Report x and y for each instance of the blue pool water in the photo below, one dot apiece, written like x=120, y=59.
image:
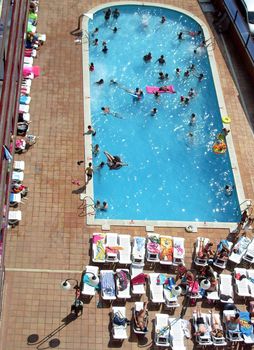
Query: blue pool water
x=170, y=175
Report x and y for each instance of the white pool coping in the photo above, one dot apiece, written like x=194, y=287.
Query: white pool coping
x=88, y=138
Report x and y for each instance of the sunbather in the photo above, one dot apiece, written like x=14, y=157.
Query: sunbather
x=202, y=328
x=233, y=322
x=222, y=250
x=140, y=318
x=216, y=326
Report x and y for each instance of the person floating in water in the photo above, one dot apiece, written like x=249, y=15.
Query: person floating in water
x=148, y=57
x=106, y=110
x=163, y=19
x=192, y=119
x=114, y=162
x=153, y=112
x=99, y=82
x=115, y=29
x=180, y=36
x=229, y=190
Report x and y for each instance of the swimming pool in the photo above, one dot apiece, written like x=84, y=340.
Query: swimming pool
x=171, y=176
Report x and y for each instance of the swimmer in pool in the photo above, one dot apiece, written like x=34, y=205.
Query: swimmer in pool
x=114, y=162
x=106, y=110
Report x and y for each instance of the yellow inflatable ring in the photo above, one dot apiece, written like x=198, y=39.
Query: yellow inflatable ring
x=226, y=120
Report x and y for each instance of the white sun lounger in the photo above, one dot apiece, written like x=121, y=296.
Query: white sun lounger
x=108, y=291
x=19, y=165
x=204, y=339
x=249, y=255
x=156, y=290
x=241, y=286
x=200, y=261
x=98, y=248
x=232, y=335
x=166, y=250
x=25, y=89
x=176, y=334
x=119, y=332
x=88, y=289
x=17, y=176
x=139, y=305
x=28, y=60
x=14, y=216
x=162, y=326
x=151, y=255
x=23, y=108
x=124, y=241
x=111, y=242
x=137, y=288
x=226, y=288
x=138, y=251
x=222, y=263
x=123, y=294
x=217, y=341
x=26, y=117
x=15, y=198
x=215, y=294
x=178, y=250
x=241, y=246
x=171, y=301
x=250, y=274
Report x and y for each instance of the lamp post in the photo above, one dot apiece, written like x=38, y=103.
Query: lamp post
x=67, y=286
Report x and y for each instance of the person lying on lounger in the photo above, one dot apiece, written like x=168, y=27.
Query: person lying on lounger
x=140, y=318
x=114, y=162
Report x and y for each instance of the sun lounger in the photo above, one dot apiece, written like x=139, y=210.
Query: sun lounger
x=171, y=301
x=226, y=289
x=249, y=255
x=87, y=286
x=239, y=249
x=137, y=288
x=199, y=245
x=213, y=296
x=98, y=247
x=153, y=248
x=25, y=100
x=138, y=251
x=23, y=108
x=139, y=305
x=246, y=327
x=241, y=283
x=15, y=199
x=166, y=250
x=233, y=335
x=111, y=247
x=162, y=326
x=123, y=284
x=222, y=262
x=19, y=165
x=119, y=332
x=26, y=117
x=14, y=216
x=203, y=339
x=108, y=289
x=217, y=341
x=124, y=242
x=176, y=334
x=250, y=275
x=17, y=176
x=178, y=251
x=156, y=290
x=28, y=60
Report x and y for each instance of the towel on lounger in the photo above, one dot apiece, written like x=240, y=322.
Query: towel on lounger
x=245, y=326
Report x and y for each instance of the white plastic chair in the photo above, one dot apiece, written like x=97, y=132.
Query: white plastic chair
x=88, y=289
x=178, y=251
x=156, y=290
x=19, y=165
x=138, y=251
x=176, y=334
x=107, y=294
x=119, y=332
x=123, y=294
x=124, y=242
x=137, y=288
x=204, y=339
x=231, y=335
x=166, y=241
x=162, y=326
x=241, y=286
x=152, y=256
x=249, y=255
x=98, y=248
x=111, y=242
x=226, y=288
x=200, y=261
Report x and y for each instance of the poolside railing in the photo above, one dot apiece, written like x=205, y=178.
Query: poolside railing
x=241, y=26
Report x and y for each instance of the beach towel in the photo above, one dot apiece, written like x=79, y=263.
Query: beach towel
x=87, y=280
x=245, y=326
x=139, y=279
x=166, y=249
x=28, y=70
x=123, y=278
x=223, y=243
x=140, y=242
x=241, y=245
x=153, y=89
x=97, y=238
x=100, y=251
x=108, y=284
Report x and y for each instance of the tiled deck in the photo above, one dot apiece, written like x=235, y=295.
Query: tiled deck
x=52, y=236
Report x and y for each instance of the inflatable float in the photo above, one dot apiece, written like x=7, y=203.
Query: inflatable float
x=153, y=89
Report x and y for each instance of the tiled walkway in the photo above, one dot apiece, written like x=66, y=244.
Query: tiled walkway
x=52, y=236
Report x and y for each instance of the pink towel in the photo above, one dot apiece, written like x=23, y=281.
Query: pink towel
x=97, y=238
x=34, y=69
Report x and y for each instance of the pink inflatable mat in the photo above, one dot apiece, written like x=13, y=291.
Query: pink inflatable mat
x=153, y=89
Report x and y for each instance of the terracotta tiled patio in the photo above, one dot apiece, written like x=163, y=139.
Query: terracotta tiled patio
x=52, y=241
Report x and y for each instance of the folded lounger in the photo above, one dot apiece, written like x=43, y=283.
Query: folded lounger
x=166, y=250
x=226, y=289
x=138, y=251
x=98, y=248
x=123, y=284
x=111, y=247
x=139, y=278
x=249, y=255
x=203, y=339
x=153, y=248
x=217, y=341
x=199, y=245
x=178, y=250
x=176, y=334
x=156, y=290
x=124, y=242
x=232, y=334
x=89, y=289
x=139, y=305
x=239, y=249
x=241, y=282
x=161, y=334
x=119, y=332
x=108, y=288
x=215, y=294
x=222, y=262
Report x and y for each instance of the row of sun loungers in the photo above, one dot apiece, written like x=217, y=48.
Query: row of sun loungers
x=117, y=248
